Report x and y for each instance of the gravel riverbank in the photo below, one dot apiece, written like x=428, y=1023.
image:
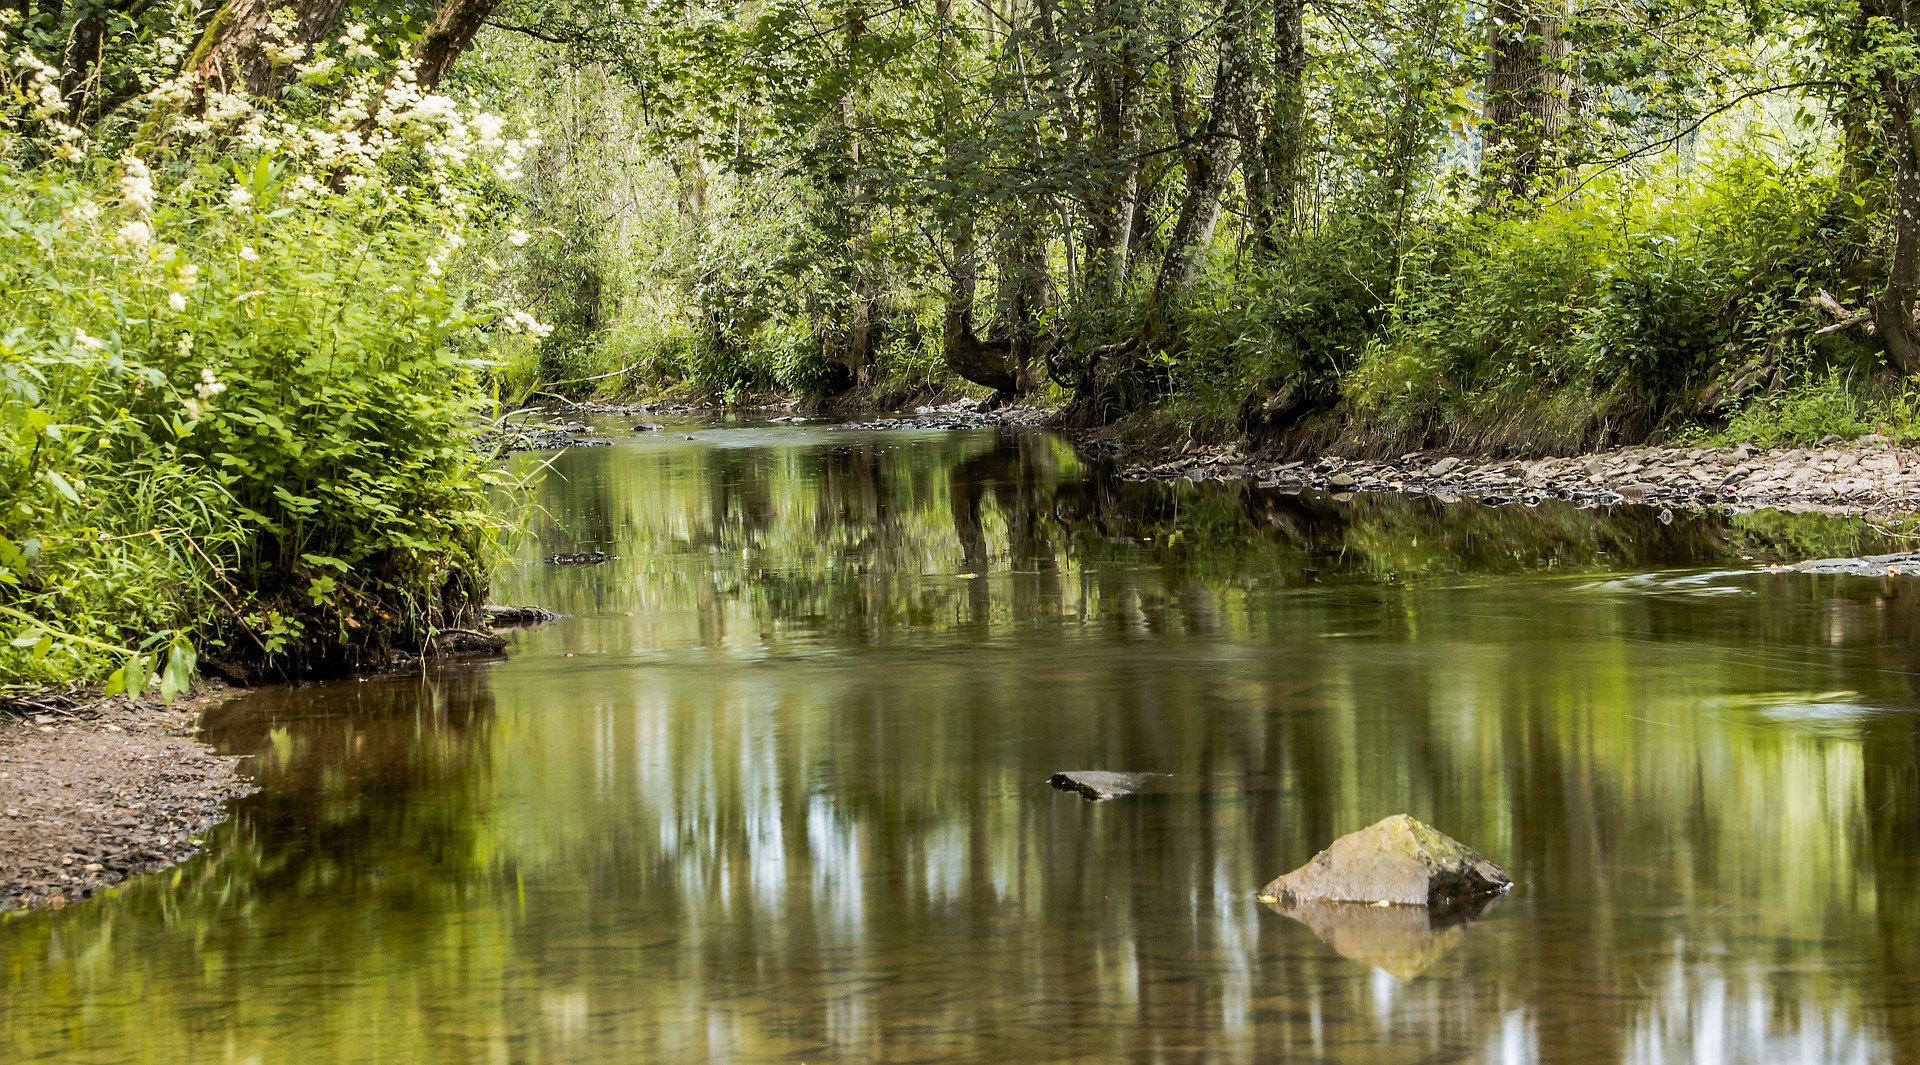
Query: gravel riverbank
x=1869, y=475
x=93, y=791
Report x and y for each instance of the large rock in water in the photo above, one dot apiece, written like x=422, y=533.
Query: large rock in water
x=1397, y=861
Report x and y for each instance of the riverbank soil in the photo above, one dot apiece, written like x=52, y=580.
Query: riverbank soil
x=93, y=791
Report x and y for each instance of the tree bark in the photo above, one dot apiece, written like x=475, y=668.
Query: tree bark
x=1893, y=311
x=1284, y=146
x=233, y=51
x=983, y=363
x=1528, y=94
x=1209, y=168
x=455, y=23
x=1116, y=167
x=1026, y=288
x=1899, y=104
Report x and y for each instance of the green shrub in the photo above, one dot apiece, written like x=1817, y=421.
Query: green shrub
x=1805, y=414
x=1636, y=290
x=239, y=380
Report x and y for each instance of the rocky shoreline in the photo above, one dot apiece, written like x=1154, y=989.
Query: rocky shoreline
x=93, y=791
x=1869, y=475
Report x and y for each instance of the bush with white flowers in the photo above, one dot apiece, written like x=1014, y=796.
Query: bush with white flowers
x=239, y=374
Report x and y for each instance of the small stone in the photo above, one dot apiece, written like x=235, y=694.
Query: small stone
x=1443, y=467
x=1100, y=785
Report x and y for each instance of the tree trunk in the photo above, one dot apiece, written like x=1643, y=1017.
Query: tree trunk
x=82, y=53
x=1026, y=287
x=983, y=363
x=854, y=353
x=1893, y=311
x=1209, y=168
x=1285, y=144
x=1116, y=165
x=234, y=51
x=454, y=25
x=1528, y=94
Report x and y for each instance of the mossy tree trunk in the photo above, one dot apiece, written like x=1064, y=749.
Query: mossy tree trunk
x=237, y=52
x=1893, y=309
x=1528, y=94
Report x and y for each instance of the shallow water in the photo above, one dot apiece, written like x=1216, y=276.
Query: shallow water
x=776, y=791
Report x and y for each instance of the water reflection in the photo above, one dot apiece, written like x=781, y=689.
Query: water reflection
x=778, y=790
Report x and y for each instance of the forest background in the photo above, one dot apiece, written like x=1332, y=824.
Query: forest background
x=270, y=268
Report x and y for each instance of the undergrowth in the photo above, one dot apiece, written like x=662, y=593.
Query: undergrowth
x=239, y=378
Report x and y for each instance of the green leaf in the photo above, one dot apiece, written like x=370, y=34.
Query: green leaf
x=60, y=484
x=178, y=675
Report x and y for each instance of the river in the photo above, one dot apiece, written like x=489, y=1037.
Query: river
x=776, y=789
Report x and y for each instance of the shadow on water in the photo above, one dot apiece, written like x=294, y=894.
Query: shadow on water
x=777, y=790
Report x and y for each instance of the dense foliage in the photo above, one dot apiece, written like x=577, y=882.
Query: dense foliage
x=1391, y=218
x=240, y=375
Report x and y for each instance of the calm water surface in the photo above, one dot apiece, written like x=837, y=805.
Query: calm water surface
x=775, y=791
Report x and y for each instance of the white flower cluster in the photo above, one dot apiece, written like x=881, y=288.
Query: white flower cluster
x=136, y=191
x=42, y=87
x=522, y=322
x=278, y=45
x=184, y=278
x=133, y=236
x=209, y=385
x=355, y=42
x=136, y=185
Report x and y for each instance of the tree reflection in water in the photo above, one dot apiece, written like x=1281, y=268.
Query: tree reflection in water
x=777, y=790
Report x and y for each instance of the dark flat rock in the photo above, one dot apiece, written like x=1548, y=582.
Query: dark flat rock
x=1100, y=785
x=508, y=616
x=1396, y=861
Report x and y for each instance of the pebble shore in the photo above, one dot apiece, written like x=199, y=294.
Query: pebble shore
x=1869, y=475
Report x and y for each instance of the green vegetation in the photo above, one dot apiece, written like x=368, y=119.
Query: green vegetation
x=265, y=259
x=1412, y=223
x=240, y=378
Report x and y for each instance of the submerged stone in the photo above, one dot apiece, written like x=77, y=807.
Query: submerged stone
x=1099, y=785
x=1396, y=861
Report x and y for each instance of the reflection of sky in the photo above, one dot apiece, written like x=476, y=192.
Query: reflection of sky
x=785, y=801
